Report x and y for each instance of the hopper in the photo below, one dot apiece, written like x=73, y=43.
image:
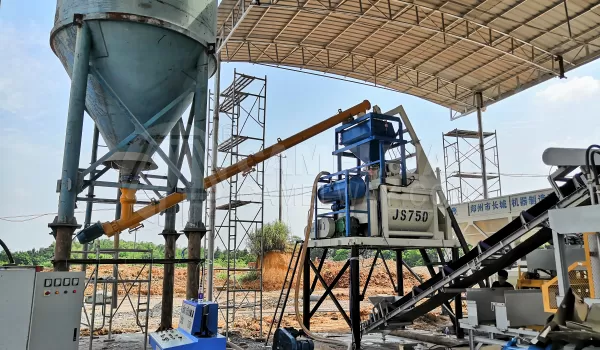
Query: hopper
x=147, y=56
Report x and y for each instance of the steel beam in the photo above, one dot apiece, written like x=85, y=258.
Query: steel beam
x=141, y=129
x=306, y=290
x=170, y=235
x=399, y=273
x=65, y=223
x=321, y=262
x=443, y=89
x=355, y=297
x=90, y=195
x=195, y=229
x=127, y=185
x=458, y=311
x=210, y=239
x=152, y=121
x=329, y=291
x=431, y=26
x=479, y=103
x=364, y=292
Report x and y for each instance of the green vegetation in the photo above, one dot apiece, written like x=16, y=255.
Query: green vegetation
x=248, y=277
x=411, y=257
x=43, y=256
x=274, y=236
x=243, y=257
x=341, y=255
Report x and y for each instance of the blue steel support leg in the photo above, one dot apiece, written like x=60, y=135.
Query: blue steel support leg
x=347, y=204
x=194, y=228
x=170, y=235
x=65, y=223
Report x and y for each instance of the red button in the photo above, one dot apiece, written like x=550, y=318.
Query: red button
x=47, y=293
x=74, y=291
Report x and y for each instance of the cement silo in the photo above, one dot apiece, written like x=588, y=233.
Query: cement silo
x=135, y=66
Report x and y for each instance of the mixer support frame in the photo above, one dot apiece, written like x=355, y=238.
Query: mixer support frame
x=65, y=222
x=355, y=297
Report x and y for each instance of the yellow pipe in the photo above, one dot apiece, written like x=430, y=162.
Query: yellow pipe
x=127, y=201
x=113, y=227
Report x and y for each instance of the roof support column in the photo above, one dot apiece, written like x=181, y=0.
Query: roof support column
x=210, y=238
x=479, y=104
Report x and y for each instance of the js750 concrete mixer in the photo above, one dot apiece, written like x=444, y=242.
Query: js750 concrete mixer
x=379, y=196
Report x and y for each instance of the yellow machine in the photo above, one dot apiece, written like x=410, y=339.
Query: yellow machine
x=579, y=274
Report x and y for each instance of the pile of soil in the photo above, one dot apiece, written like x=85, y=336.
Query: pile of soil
x=275, y=267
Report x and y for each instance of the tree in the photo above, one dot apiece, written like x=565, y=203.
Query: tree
x=388, y=255
x=273, y=237
x=412, y=258
x=341, y=255
x=22, y=258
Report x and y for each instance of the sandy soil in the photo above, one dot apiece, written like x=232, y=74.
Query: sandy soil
x=246, y=320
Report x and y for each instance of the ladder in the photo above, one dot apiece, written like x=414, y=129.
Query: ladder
x=143, y=306
x=476, y=265
x=286, y=288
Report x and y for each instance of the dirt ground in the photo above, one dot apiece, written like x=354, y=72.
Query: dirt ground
x=246, y=320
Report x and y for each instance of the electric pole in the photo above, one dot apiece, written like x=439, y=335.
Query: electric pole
x=280, y=187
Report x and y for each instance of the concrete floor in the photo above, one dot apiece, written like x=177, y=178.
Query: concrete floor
x=136, y=342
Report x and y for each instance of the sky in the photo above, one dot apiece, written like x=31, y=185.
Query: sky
x=34, y=91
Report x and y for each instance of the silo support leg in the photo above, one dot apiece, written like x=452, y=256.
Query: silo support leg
x=65, y=223
x=170, y=235
x=194, y=228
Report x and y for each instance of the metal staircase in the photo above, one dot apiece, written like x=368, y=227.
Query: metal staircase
x=286, y=288
x=481, y=262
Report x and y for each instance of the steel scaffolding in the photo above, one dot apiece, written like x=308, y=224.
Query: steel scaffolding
x=242, y=110
x=105, y=290
x=463, y=168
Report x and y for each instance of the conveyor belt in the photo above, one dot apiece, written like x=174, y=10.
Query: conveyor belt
x=429, y=294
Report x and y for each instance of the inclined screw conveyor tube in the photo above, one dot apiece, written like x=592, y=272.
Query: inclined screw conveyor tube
x=114, y=227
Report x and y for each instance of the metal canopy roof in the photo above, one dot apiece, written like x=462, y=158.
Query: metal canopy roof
x=443, y=51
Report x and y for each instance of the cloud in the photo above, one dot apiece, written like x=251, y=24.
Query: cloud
x=575, y=89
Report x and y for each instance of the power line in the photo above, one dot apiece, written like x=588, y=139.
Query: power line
x=37, y=216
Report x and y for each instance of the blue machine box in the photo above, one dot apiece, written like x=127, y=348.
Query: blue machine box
x=197, y=329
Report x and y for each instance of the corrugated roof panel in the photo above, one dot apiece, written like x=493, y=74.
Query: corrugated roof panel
x=500, y=46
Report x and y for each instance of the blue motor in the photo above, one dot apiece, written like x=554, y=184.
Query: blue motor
x=336, y=191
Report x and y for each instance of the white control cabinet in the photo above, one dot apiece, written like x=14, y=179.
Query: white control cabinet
x=40, y=310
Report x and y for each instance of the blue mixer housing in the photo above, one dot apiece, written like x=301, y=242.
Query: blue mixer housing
x=197, y=329
x=336, y=191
